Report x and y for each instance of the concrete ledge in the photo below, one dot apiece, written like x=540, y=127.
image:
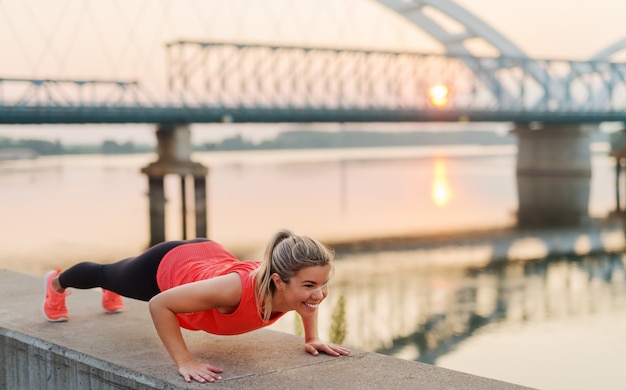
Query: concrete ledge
x=98, y=351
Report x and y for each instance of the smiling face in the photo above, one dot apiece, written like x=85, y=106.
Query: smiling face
x=304, y=291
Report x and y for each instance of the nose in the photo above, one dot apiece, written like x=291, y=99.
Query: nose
x=319, y=293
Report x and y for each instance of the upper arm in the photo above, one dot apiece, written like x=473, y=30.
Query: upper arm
x=221, y=291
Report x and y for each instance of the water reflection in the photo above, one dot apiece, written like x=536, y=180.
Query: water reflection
x=334, y=195
x=422, y=313
x=441, y=188
x=552, y=201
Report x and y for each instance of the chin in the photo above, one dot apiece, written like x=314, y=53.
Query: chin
x=305, y=313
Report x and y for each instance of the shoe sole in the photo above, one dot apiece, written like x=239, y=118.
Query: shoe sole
x=45, y=291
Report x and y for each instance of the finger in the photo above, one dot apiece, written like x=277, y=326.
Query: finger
x=328, y=349
x=214, y=376
x=338, y=350
x=211, y=376
x=338, y=347
x=311, y=349
x=185, y=376
x=342, y=350
x=199, y=379
x=206, y=377
x=214, y=369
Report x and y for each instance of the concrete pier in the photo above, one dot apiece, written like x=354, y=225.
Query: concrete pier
x=95, y=351
x=553, y=149
x=174, y=157
x=553, y=174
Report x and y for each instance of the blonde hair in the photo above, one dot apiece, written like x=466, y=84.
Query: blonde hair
x=286, y=254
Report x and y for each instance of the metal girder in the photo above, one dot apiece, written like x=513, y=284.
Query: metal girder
x=607, y=52
x=178, y=115
x=454, y=43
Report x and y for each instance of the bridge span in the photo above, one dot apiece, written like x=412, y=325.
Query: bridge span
x=213, y=82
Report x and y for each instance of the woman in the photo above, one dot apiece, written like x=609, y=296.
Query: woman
x=198, y=285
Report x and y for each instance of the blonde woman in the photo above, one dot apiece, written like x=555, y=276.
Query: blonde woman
x=198, y=285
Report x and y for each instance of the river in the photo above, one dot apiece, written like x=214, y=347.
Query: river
x=550, y=323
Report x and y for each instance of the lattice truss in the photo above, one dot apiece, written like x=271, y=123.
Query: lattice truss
x=264, y=77
x=70, y=93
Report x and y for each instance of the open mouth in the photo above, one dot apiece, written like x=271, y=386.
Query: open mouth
x=311, y=306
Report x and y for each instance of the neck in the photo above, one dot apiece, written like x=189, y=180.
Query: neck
x=278, y=302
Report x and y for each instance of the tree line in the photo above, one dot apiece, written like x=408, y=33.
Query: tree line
x=310, y=139
x=51, y=148
x=296, y=139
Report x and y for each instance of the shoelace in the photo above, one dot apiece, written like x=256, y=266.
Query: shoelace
x=57, y=300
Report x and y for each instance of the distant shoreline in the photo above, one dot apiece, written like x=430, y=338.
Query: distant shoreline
x=12, y=148
x=18, y=154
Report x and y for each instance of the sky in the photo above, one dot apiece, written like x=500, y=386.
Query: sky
x=124, y=39
x=554, y=28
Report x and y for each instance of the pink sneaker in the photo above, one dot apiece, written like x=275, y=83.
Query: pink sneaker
x=54, y=309
x=112, y=302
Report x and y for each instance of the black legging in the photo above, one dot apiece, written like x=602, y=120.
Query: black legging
x=134, y=277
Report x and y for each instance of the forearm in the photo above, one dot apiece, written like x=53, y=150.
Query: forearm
x=168, y=329
x=310, y=327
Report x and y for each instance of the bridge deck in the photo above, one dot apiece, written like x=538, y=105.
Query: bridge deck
x=98, y=351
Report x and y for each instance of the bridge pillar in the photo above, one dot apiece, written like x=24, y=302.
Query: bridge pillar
x=553, y=175
x=174, y=157
x=618, y=152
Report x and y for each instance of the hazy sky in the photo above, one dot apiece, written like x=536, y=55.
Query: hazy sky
x=554, y=28
x=124, y=39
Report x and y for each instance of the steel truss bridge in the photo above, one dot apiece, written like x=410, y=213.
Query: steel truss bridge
x=232, y=82
x=243, y=82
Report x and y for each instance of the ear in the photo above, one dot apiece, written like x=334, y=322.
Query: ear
x=277, y=281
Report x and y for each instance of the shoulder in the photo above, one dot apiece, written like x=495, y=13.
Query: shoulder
x=226, y=289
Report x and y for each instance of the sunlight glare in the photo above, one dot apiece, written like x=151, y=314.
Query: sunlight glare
x=438, y=95
x=441, y=193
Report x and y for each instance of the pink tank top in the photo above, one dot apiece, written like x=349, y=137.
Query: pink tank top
x=204, y=260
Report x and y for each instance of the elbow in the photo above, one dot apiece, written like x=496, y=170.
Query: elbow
x=154, y=305
x=159, y=308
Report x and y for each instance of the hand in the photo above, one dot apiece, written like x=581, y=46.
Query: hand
x=314, y=346
x=199, y=372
